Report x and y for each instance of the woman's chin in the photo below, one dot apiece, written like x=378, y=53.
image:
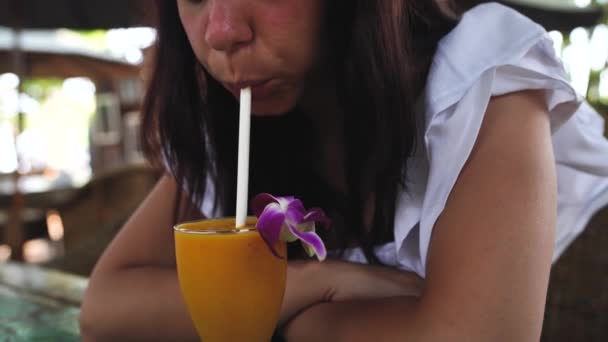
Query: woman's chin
x=271, y=108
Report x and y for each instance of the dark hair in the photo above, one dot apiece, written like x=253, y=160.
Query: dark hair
x=381, y=51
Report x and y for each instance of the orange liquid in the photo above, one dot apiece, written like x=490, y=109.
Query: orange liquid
x=231, y=283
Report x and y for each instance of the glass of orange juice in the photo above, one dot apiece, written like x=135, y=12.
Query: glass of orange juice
x=231, y=282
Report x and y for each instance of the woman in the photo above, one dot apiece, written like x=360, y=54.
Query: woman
x=441, y=148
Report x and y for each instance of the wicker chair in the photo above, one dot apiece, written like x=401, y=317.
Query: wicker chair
x=97, y=212
x=577, y=302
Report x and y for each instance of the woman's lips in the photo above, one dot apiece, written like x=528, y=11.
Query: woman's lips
x=259, y=89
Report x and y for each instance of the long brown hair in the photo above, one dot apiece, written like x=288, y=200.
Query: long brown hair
x=381, y=53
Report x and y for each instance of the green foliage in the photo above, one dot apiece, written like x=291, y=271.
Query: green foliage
x=41, y=88
x=94, y=38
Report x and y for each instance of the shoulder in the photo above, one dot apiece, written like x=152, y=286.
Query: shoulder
x=490, y=29
x=493, y=24
x=487, y=36
x=493, y=51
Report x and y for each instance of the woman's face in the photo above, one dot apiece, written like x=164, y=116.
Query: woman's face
x=271, y=46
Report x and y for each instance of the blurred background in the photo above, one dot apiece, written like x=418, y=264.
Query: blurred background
x=71, y=86
x=71, y=166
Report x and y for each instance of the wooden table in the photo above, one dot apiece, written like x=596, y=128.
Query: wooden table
x=37, y=304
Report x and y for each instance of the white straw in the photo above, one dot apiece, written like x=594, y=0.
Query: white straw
x=242, y=182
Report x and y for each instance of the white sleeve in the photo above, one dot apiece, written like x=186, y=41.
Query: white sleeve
x=451, y=132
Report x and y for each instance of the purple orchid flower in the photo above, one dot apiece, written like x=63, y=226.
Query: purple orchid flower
x=285, y=219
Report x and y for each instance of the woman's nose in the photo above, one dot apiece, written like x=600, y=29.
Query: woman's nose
x=227, y=26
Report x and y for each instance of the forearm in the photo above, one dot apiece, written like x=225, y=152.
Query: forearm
x=401, y=319
x=307, y=285
x=312, y=283
x=136, y=304
x=145, y=303
x=381, y=319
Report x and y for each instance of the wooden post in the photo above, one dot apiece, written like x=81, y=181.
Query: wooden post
x=14, y=235
x=15, y=229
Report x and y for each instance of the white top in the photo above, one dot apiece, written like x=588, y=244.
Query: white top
x=494, y=51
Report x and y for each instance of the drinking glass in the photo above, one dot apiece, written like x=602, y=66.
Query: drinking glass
x=231, y=282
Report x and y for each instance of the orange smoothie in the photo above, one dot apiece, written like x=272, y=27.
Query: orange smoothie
x=231, y=282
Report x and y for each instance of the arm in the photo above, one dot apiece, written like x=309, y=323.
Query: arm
x=134, y=293
x=490, y=252
x=311, y=283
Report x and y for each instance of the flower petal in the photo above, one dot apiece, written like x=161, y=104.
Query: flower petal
x=269, y=225
x=310, y=240
x=295, y=211
x=317, y=215
x=260, y=201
